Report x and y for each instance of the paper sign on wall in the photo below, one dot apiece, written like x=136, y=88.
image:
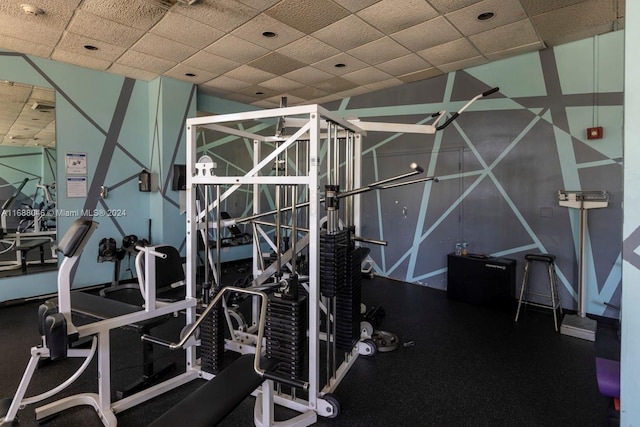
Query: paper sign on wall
x=76, y=163
x=76, y=186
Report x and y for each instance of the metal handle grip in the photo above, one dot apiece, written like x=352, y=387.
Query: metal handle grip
x=156, y=340
x=490, y=91
x=287, y=381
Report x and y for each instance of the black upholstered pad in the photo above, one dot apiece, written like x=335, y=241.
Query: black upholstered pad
x=209, y=404
x=75, y=235
x=100, y=308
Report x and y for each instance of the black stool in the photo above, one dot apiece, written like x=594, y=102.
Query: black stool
x=553, y=286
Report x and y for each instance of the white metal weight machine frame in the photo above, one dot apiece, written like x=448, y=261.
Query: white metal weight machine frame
x=300, y=152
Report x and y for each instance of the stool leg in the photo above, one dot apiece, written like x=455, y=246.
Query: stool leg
x=525, y=282
x=555, y=287
x=554, y=305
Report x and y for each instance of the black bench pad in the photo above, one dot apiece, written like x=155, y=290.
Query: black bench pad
x=100, y=308
x=213, y=401
x=31, y=244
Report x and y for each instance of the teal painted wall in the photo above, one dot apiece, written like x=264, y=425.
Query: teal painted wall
x=630, y=351
x=110, y=118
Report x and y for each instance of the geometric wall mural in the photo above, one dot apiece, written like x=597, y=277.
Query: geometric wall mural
x=122, y=126
x=500, y=166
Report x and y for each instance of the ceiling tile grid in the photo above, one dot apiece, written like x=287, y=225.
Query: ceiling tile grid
x=256, y=51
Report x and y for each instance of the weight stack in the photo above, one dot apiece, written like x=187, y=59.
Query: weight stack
x=348, y=303
x=333, y=262
x=212, y=341
x=285, y=333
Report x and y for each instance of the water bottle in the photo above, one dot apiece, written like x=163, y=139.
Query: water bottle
x=458, y=248
x=464, y=251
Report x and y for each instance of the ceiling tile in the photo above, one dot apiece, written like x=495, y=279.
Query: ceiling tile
x=268, y=103
x=225, y=15
x=367, y=76
x=252, y=32
x=348, y=33
x=359, y=90
x=244, y=99
x=329, y=64
x=227, y=83
x=325, y=99
x=258, y=91
x=204, y=60
x=557, y=25
x=355, y=5
x=506, y=37
x=179, y=73
x=465, y=63
x=186, y=31
x=56, y=14
x=13, y=92
x=139, y=14
x=308, y=75
x=335, y=84
x=259, y=5
x=308, y=49
x=134, y=73
x=274, y=102
x=250, y=74
x=145, y=62
x=506, y=12
x=389, y=16
x=427, y=34
x=385, y=84
x=24, y=46
x=449, y=52
x=559, y=39
x=308, y=92
x=446, y=6
x=536, y=7
x=75, y=43
x=163, y=48
x=236, y=49
x=79, y=59
x=29, y=31
x=420, y=75
x=508, y=53
x=404, y=65
x=378, y=51
x=276, y=63
x=307, y=16
x=96, y=27
x=281, y=84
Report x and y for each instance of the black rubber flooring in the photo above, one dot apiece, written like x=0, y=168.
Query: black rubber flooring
x=458, y=365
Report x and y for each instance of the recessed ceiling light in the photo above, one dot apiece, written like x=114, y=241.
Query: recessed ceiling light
x=269, y=34
x=189, y=74
x=259, y=93
x=90, y=47
x=31, y=10
x=486, y=16
x=340, y=65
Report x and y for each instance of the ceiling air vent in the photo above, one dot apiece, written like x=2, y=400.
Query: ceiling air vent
x=42, y=106
x=166, y=4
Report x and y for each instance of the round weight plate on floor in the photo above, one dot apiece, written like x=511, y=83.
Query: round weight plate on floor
x=385, y=341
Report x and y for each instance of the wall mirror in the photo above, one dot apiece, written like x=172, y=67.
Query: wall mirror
x=27, y=179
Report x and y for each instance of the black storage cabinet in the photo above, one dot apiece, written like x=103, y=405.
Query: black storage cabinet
x=478, y=280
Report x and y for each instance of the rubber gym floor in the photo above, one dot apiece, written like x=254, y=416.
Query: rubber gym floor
x=457, y=365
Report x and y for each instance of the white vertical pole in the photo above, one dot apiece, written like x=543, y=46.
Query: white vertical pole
x=314, y=258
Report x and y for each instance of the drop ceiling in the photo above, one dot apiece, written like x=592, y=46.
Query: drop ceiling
x=321, y=50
